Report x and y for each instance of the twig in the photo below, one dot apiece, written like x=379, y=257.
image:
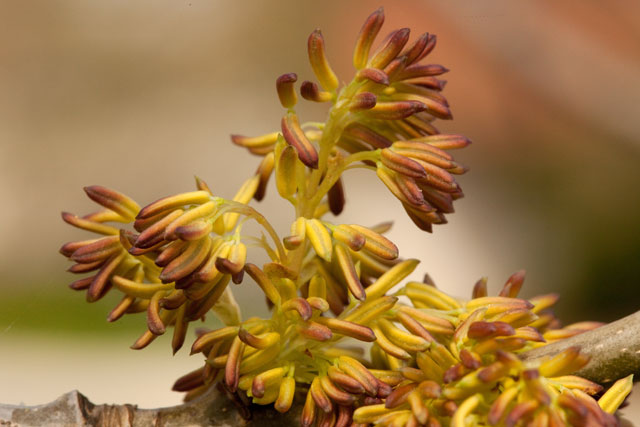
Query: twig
x=614, y=350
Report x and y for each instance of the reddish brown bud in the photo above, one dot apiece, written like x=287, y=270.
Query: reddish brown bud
x=285, y=88
x=469, y=359
x=311, y=92
x=415, y=50
x=390, y=48
x=319, y=63
x=513, y=285
x=422, y=70
x=315, y=331
x=374, y=75
x=480, y=288
x=363, y=101
x=335, y=197
x=362, y=133
x=395, y=110
x=367, y=35
x=113, y=200
x=402, y=164
x=399, y=395
x=294, y=135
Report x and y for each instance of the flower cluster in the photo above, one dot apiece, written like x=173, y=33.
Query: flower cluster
x=434, y=359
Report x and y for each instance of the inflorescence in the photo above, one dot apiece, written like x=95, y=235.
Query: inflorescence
x=434, y=359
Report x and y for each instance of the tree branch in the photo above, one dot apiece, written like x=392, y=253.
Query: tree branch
x=614, y=350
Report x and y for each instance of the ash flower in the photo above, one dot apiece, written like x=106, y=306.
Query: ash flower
x=381, y=120
x=434, y=359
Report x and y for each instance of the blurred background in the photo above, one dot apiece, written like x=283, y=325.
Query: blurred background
x=141, y=96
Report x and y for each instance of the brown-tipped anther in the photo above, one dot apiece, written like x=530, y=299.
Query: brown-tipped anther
x=319, y=396
x=346, y=382
x=170, y=252
x=337, y=395
x=384, y=389
x=319, y=62
x=232, y=367
x=376, y=243
x=172, y=202
x=202, y=185
x=70, y=247
x=454, y=373
x=428, y=280
x=415, y=50
x=349, y=236
x=194, y=231
x=411, y=191
x=81, y=284
x=480, y=288
x=98, y=250
x=399, y=396
x=300, y=305
x=493, y=372
x=360, y=373
x=390, y=48
x=294, y=135
x=351, y=329
x=520, y=412
x=228, y=267
x=428, y=82
x=154, y=322
x=100, y=283
x=335, y=197
x=374, y=75
x=88, y=225
x=174, y=300
x=345, y=416
x=264, y=282
x=237, y=277
x=513, y=285
x=187, y=262
x=367, y=35
x=119, y=310
x=145, y=339
x=154, y=234
x=469, y=359
x=483, y=330
x=189, y=381
x=362, y=133
x=113, y=200
x=286, y=90
x=401, y=164
x=349, y=272
x=447, y=142
x=292, y=242
x=431, y=44
x=413, y=326
x=395, y=110
x=264, y=172
x=394, y=68
x=254, y=142
x=311, y=92
x=315, y=331
x=363, y=101
x=422, y=70
x=308, y=411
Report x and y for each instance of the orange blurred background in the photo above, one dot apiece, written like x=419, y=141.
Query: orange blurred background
x=140, y=96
